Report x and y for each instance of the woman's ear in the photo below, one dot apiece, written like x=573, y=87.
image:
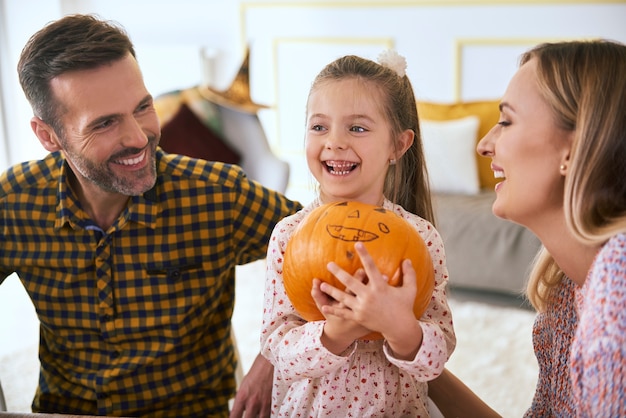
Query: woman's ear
x=566, y=152
x=45, y=134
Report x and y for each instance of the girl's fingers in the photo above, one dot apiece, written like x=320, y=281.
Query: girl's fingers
x=371, y=270
x=344, y=277
x=333, y=292
x=408, y=273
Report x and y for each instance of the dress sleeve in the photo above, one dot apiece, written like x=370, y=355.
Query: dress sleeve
x=290, y=343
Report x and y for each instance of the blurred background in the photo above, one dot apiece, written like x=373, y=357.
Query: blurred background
x=456, y=50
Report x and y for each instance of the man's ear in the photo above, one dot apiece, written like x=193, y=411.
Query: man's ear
x=45, y=134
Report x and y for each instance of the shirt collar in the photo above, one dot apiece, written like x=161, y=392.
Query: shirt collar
x=141, y=209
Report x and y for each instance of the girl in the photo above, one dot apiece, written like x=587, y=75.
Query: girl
x=362, y=144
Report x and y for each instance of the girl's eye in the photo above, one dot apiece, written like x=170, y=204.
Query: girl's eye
x=357, y=129
x=317, y=128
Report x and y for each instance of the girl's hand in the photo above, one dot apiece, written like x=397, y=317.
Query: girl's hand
x=339, y=333
x=376, y=305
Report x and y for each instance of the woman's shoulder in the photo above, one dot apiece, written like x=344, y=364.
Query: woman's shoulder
x=608, y=272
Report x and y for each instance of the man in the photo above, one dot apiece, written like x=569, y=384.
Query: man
x=127, y=252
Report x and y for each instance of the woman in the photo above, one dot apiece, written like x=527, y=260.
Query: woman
x=560, y=148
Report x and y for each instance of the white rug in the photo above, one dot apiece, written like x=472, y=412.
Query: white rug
x=494, y=354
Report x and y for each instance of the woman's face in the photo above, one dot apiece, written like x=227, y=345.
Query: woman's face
x=527, y=149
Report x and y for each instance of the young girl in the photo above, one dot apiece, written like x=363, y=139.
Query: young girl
x=362, y=144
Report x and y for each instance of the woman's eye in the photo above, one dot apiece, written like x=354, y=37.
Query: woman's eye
x=504, y=123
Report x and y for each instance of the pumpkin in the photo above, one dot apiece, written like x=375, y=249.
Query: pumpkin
x=329, y=233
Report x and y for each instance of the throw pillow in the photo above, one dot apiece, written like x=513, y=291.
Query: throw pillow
x=450, y=152
x=488, y=113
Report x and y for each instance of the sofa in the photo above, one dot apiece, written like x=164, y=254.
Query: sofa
x=484, y=253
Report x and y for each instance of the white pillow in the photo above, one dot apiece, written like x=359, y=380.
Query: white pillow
x=450, y=151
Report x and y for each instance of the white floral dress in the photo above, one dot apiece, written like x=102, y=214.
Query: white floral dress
x=366, y=381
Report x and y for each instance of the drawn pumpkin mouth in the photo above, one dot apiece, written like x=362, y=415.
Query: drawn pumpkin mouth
x=345, y=233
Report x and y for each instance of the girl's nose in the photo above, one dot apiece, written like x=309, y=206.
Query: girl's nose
x=336, y=141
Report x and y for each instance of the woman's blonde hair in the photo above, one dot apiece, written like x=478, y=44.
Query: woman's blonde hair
x=584, y=84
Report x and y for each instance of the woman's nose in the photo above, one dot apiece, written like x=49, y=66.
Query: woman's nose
x=485, y=146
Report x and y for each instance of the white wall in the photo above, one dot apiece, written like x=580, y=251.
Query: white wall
x=456, y=50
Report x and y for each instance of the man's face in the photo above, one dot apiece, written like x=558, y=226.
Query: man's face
x=110, y=128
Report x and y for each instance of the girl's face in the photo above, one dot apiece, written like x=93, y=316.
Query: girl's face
x=349, y=143
x=527, y=149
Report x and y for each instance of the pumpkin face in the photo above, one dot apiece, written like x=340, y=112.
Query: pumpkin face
x=329, y=233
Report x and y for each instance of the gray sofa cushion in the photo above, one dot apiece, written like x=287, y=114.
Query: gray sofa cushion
x=482, y=250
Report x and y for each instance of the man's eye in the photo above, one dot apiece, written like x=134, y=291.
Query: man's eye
x=144, y=107
x=105, y=124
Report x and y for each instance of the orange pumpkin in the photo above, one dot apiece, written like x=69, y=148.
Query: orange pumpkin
x=329, y=233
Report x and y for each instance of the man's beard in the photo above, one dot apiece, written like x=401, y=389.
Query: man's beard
x=101, y=174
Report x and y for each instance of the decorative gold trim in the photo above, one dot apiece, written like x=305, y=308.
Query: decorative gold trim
x=244, y=6
x=461, y=43
x=405, y=3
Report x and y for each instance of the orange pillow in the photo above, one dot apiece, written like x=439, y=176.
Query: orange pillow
x=488, y=113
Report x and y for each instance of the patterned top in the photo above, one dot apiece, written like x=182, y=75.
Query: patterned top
x=135, y=319
x=580, y=343
x=553, y=333
x=366, y=382
x=598, y=360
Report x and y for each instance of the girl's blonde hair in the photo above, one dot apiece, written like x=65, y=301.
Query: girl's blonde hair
x=584, y=84
x=406, y=183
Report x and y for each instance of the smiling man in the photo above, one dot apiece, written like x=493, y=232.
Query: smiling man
x=128, y=253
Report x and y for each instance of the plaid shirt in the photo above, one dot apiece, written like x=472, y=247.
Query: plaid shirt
x=135, y=320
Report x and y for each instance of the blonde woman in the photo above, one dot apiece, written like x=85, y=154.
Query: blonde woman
x=560, y=149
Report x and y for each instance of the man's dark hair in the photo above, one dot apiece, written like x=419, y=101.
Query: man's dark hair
x=74, y=42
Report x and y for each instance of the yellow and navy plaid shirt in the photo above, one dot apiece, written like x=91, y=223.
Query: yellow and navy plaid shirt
x=135, y=320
